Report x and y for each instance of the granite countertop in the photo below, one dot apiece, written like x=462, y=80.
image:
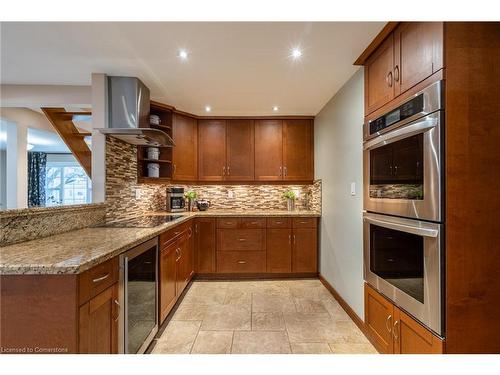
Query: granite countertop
x=77, y=251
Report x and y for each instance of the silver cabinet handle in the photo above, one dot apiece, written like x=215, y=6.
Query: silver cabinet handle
x=223, y=170
x=190, y=232
x=294, y=240
x=228, y=170
x=119, y=310
x=100, y=278
x=175, y=168
x=280, y=171
x=196, y=228
x=395, y=330
x=179, y=255
x=388, y=79
x=290, y=239
x=242, y=239
x=279, y=222
x=242, y=262
x=396, y=73
x=284, y=171
x=387, y=324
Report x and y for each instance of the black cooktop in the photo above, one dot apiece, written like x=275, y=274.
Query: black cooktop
x=141, y=222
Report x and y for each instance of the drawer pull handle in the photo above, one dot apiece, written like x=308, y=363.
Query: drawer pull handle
x=100, y=278
x=242, y=262
x=279, y=222
x=253, y=223
x=241, y=239
x=119, y=310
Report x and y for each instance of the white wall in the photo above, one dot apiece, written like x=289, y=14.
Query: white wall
x=338, y=162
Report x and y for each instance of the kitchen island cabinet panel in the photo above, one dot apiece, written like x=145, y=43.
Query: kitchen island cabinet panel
x=98, y=326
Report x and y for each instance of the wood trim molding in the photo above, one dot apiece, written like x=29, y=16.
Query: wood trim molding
x=388, y=28
x=355, y=318
x=169, y=107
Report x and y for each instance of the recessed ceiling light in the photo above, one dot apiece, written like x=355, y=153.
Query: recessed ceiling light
x=275, y=108
x=296, y=53
x=208, y=108
x=183, y=54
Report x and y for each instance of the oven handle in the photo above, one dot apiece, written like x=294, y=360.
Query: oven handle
x=428, y=122
x=425, y=232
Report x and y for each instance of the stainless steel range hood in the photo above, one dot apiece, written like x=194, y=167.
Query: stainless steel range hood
x=128, y=109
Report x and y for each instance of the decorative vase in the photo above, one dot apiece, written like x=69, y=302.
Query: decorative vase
x=290, y=204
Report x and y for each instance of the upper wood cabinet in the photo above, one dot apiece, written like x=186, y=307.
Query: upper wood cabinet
x=268, y=150
x=240, y=150
x=379, y=79
x=211, y=150
x=185, y=151
x=407, y=56
x=418, y=53
x=394, y=331
x=298, y=150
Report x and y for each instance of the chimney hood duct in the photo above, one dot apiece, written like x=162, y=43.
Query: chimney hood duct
x=128, y=110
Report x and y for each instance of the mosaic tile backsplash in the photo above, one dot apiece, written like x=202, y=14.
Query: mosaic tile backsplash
x=121, y=186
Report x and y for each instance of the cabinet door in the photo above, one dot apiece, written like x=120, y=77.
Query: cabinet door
x=379, y=80
x=410, y=337
x=184, y=262
x=204, y=245
x=279, y=250
x=379, y=318
x=304, y=250
x=185, y=152
x=240, y=150
x=298, y=150
x=268, y=150
x=168, y=276
x=418, y=52
x=211, y=150
x=98, y=326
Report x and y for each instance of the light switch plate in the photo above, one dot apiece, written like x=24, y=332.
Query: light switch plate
x=137, y=193
x=230, y=194
x=353, y=188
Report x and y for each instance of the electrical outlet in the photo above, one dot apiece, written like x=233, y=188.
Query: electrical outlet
x=137, y=193
x=230, y=194
x=353, y=188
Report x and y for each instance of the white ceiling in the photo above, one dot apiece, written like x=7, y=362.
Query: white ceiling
x=236, y=68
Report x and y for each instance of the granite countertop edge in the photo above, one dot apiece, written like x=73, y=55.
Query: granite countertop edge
x=71, y=265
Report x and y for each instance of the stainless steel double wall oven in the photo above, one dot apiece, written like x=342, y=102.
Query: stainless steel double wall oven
x=403, y=204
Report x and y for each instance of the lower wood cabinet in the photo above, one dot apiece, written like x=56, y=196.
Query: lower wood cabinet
x=204, y=238
x=304, y=250
x=279, y=250
x=98, y=323
x=394, y=331
x=176, y=269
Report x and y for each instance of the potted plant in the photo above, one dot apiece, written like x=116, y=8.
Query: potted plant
x=290, y=197
x=190, y=196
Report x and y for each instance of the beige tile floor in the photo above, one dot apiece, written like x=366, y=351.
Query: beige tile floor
x=260, y=317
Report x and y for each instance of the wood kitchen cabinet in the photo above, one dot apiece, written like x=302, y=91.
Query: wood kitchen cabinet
x=279, y=250
x=407, y=56
x=204, y=237
x=240, y=150
x=211, y=150
x=298, y=150
x=185, y=152
x=268, y=150
x=379, y=80
x=176, y=265
x=304, y=245
x=98, y=323
x=394, y=331
x=418, y=53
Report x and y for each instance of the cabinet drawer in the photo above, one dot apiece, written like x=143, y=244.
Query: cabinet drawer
x=248, y=222
x=227, y=222
x=304, y=222
x=278, y=222
x=241, y=239
x=241, y=261
x=98, y=279
x=170, y=235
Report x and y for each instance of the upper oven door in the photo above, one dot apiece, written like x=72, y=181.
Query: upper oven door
x=402, y=260
x=402, y=170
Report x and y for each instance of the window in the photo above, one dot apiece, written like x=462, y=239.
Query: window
x=66, y=183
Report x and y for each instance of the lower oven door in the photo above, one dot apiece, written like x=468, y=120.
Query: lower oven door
x=403, y=260
x=402, y=170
